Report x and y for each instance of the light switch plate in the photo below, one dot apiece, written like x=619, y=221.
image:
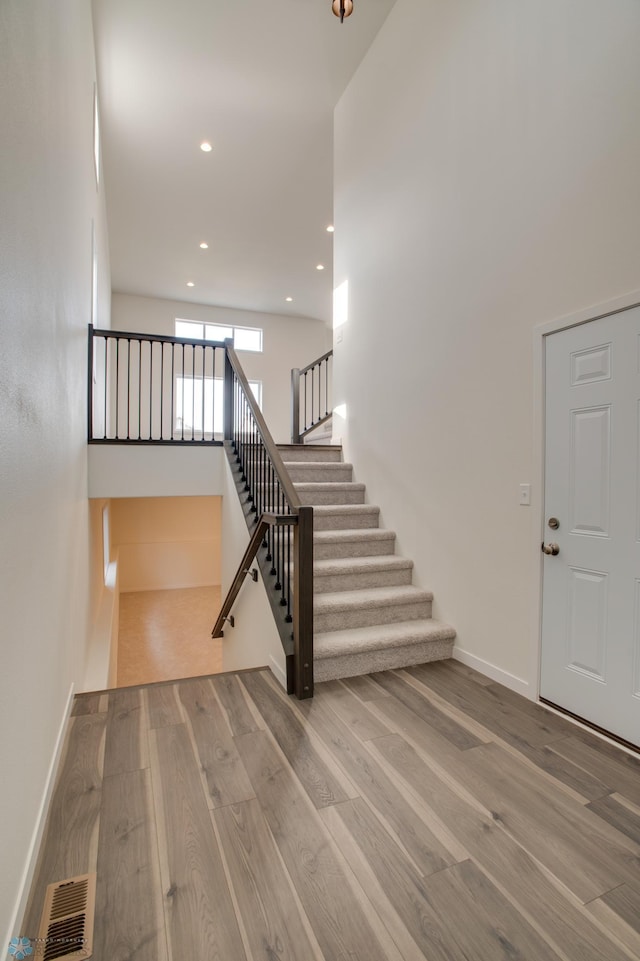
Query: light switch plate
x=525, y=495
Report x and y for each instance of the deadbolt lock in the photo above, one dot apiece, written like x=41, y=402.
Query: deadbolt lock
x=554, y=523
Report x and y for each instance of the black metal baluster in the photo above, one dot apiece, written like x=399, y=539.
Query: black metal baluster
x=161, y=391
x=117, y=387
x=288, y=618
x=313, y=399
x=326, y=387
x=106, y=375
x=305, y=421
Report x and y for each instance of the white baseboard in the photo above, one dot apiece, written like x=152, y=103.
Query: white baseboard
x=36, y=838
x=277, y=671
x=495, y=673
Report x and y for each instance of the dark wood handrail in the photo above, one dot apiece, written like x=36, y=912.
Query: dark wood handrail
x=314, y=363
x=266, y=521
x=272, y=451
x=157, y=338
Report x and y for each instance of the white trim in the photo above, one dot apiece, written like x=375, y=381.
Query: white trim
x=514, y=683
x=36, y=838
x=277, y=671
x=540, y=331
x=589, y=730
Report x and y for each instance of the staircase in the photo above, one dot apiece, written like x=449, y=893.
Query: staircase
x=367, y=614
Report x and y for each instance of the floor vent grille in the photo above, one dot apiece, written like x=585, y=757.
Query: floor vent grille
x=66, y=927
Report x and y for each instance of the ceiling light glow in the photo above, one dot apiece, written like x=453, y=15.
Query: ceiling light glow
x=330, y=229
x=288, y=299
x=206, y=147
x=204, y=246
x=190, y=283
x=320, y=267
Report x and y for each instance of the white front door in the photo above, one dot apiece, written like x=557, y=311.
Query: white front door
x=591, y=587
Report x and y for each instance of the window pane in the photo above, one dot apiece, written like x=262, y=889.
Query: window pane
x=187, y=328
x=216, y=332
x=248, y=338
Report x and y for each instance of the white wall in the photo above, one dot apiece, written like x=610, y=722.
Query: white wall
x=254, y=641
x=486, y=171
x=166, y=542
x=288, y=342
x=48, y=199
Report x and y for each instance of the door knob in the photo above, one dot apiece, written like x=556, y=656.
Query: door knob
x=550, y=549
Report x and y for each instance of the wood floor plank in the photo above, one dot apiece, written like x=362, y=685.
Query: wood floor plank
x=365, y=688
x=69, y=845
x=198, y=907
x=618, y=815
x=274, y=926
x=350, y=709
x=547, y=906
x=128, y=881
x=87, y=704
x=321, y=783
x=564, y=770
x=617, y=769
x=426, y=848
x=126, y=743
x=162, y=705
x=335, y=915
x=405, y=886
x=485, y=705
x=619, y=910
x=575, y=845
x=424, y=709
x=482, y=924
x=226, y=778
x=229, y=691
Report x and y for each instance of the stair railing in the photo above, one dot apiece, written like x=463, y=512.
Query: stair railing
x=311, y=396
x=282, y=539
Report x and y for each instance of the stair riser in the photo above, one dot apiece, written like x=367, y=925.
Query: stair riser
x=372, y=548
x=352, y=665
x=339, y=473
x=314, y=452
x=332, y=583
x=370, y=616
x=339, y=496
x=343, y=522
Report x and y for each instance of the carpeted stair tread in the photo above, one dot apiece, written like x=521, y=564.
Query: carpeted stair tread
x=360, y=640
x=348, y=535
x=308, y=452
x=345, y=510
x=350, y=565
x=373, y=597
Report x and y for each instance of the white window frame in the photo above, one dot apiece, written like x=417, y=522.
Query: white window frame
x=204, y=331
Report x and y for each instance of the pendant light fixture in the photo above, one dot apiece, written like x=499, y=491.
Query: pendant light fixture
x=342, y=8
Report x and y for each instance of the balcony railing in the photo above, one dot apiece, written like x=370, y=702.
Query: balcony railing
x=150, y=389
x=311, y=397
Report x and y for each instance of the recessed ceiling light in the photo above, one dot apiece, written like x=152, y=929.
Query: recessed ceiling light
x=330, y=229
x=320, y=267
x=206, y=147
x=288, y=299
x=204, y=246
x=190, y=283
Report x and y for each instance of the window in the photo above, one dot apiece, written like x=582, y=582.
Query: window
x=195, y=412
x=244, y=338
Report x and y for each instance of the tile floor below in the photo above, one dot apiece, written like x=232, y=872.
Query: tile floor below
x=166, y=635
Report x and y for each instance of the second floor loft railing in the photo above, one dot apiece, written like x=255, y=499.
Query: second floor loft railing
x=311, y=390
x=151, y=389
x=282, y=527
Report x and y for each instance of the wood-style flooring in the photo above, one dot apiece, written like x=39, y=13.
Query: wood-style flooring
x=426, y=813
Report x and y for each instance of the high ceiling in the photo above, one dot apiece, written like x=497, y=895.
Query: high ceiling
x=258, y=79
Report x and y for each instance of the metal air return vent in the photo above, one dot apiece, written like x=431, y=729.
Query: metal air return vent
x=66, y=926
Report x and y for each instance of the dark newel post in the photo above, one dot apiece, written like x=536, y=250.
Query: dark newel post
x=295, y=406
x=303, y=603
x=90, y=387
x=228, y=392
